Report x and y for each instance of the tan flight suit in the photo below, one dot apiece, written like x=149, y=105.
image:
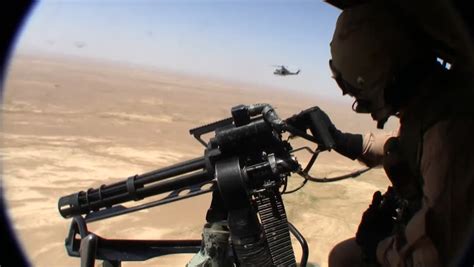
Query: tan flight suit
x=437, y=137
x=431, y=162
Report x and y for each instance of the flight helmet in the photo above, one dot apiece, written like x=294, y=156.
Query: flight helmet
x=370, y=50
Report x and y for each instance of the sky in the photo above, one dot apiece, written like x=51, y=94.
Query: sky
x=231, y=40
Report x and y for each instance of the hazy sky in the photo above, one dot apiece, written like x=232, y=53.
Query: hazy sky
x=236, y=40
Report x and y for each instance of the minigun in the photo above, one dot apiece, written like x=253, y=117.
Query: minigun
x=246, y=166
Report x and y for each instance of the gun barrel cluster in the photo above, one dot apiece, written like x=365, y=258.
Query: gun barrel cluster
x=135, y=188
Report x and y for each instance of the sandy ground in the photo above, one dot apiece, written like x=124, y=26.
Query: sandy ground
x=69, y=125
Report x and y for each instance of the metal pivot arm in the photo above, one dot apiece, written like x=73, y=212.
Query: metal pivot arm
x=91, y=246
x=303, y=243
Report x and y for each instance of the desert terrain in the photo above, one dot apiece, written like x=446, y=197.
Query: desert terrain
x=71, y=124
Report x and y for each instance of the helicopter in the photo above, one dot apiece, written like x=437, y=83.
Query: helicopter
x=283, y=71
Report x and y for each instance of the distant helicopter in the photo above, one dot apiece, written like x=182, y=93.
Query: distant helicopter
x=283, y=71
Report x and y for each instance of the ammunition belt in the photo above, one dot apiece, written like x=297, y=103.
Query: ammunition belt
x=275, y=228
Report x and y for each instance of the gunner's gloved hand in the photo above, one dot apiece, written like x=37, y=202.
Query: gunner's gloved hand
x=346, y=144
x=315, y=119
x=377, y=223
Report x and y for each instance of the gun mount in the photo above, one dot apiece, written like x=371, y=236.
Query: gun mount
x=246, y=166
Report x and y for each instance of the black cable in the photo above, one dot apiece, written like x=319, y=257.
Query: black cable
x=285, y=185
x=308, y=177
x=306, y=169
x=298, y=188
x=334, y=179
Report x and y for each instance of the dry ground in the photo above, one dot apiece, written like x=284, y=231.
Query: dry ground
x=71, y=124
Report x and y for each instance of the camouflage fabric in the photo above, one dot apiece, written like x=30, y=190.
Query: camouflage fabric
x=433, y=149
x=436, y=141
x=436, y=234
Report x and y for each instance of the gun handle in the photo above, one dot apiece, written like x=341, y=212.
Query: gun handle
x=320, y=129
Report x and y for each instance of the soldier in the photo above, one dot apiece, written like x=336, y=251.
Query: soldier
x=425, y=218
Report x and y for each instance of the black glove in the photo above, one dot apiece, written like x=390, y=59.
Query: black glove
x=347, y=144
x=315, y=119
x=378, y=222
